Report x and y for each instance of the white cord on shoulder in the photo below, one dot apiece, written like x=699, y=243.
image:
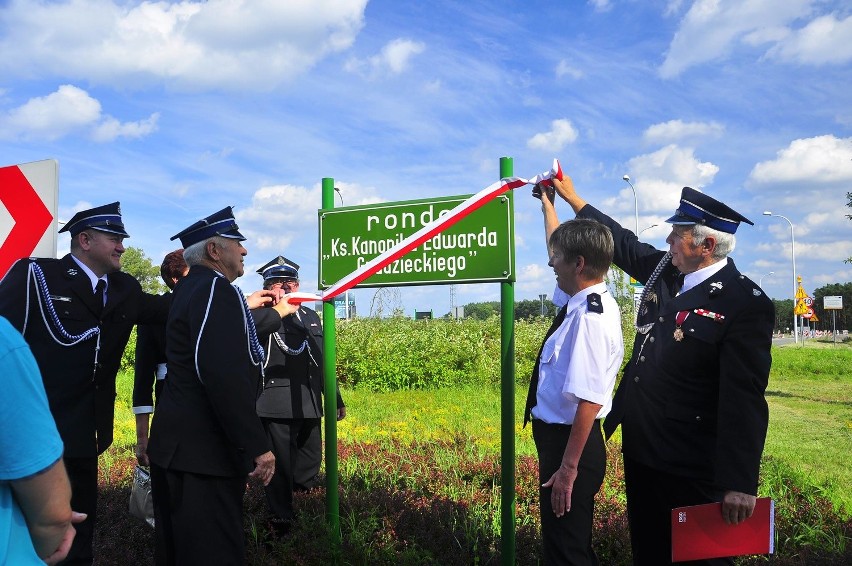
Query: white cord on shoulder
x=36, y=276
x=201, y=330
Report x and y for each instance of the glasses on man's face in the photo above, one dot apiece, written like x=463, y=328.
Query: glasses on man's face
x=285, y=283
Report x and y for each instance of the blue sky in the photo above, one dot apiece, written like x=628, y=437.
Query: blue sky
x=178, y=109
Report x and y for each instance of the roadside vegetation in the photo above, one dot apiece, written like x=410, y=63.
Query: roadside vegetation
x=419, y=458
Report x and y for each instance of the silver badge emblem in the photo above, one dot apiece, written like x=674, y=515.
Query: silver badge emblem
x=756, y=292
x=715, y=287
x=72, y=272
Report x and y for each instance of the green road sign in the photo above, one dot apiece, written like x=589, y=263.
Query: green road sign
x=478, y=248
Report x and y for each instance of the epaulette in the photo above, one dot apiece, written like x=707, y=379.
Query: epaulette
x=593, y=303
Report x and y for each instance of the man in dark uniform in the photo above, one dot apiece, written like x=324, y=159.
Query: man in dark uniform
x=206, y=437
x=691, y=400
x=76, y=314
x=290, y=405
x=149, y=366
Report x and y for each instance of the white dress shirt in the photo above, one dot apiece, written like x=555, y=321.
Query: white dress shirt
x=581, y=359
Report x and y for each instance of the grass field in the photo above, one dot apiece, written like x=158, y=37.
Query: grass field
x=420, y=478
x=810, y=423
x=809, y=396
x=810, y=415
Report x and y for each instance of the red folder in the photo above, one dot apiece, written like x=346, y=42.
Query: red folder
x=699, y=532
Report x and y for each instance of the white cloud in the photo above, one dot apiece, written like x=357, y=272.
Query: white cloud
x=67, y=111
x=825, y=40
x=601, y=5
x=289, y=211
x=565, y=68
x=110, y=128
x=188, y=44
x=561, y=133
x=393, y=59
x=678, y=130
x=659, y=178
x=535, y=276
x=711, y=29
x=809, y=161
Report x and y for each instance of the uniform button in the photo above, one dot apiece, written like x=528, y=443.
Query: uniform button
x=641, y=358
x=652, y=338
x=662, y=319
x=636, y=379
x=271, y=381
x=698, y=418
x=692, y=330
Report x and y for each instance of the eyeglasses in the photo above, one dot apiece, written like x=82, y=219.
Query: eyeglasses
x=283, y=282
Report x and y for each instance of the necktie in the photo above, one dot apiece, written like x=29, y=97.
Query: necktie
x=531, y=394
x=99, y=295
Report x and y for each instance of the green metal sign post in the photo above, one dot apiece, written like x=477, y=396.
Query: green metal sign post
x=507, y=403
x=479, y=248
x=329, y=368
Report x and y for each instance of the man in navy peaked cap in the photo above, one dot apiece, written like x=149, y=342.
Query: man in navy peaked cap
x=691, y=400
x=76, y=314
x=206, y=437
x=290, y=404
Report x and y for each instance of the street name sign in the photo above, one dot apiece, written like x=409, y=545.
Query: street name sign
x=478, y=248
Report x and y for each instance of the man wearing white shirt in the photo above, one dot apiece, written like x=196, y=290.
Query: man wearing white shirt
x=572, y=384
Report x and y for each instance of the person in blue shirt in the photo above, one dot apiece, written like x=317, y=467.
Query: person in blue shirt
x=35, y=495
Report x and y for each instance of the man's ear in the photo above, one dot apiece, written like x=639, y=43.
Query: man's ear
x=212, y=250
x=84, y=240
x=709, y=245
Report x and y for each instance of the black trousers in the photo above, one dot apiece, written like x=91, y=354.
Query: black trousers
x=651, y=496
x=83, y=476
x=198, y=518
x=297, y=445
x=568, y=539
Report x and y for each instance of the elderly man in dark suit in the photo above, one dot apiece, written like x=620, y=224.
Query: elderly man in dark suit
x=76, y=313
x=691, y=400
x=290, y=404
x=206, y=437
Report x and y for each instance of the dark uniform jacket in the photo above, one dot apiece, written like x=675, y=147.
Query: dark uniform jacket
x=694, y=407
x=205, y=422
x=293, y=385
x=150, y=352
x=81, y=397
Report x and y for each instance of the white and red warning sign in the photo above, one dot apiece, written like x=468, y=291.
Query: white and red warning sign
x=28, y=211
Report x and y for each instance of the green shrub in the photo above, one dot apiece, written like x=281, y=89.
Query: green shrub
x=400, y=353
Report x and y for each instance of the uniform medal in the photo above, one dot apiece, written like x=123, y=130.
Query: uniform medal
x=679, y=320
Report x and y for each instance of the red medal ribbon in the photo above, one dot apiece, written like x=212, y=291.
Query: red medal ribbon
x=681, y=316
x=710, y=314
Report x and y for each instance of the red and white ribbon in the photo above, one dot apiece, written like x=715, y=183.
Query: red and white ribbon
x=428, y=231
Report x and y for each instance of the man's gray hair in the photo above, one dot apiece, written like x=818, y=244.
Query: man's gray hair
x=197, y=252
x=725, y=242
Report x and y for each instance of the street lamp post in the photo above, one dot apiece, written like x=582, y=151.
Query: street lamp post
x=635, y=202
x=648, y=228
x=542, y=298
x=760, y=281
x=793, y=255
